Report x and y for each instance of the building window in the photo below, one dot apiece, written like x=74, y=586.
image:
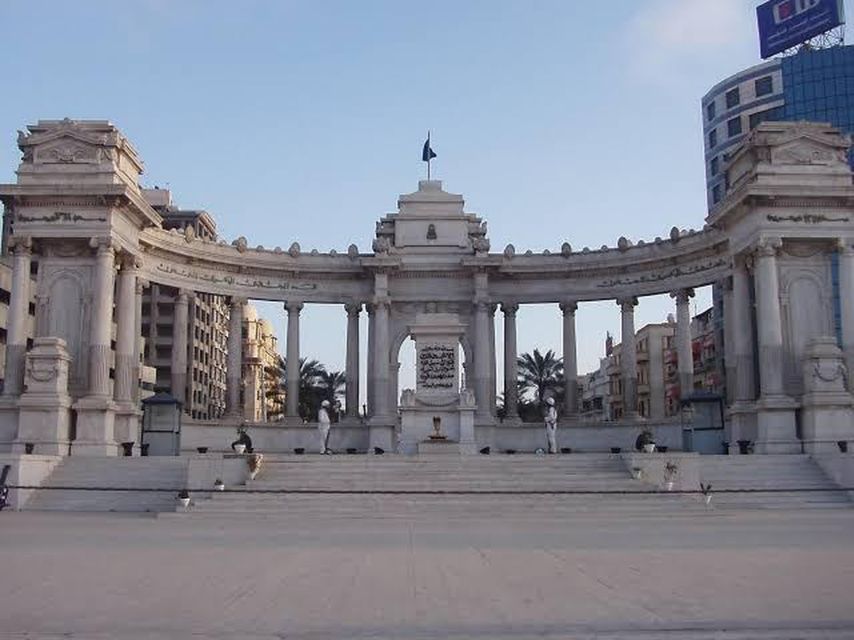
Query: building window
x=713, y=166
x=756, y=118
x=710, y=111
x=713, y=138
x=764, y=86
x=733, y=126
x=733, y=98
x=716, y=194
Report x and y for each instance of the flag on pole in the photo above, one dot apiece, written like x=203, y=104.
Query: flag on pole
x=427, y=153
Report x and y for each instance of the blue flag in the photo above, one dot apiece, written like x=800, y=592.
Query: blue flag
x=427, y=154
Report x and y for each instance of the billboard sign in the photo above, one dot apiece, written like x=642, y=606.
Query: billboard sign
x=787, y=23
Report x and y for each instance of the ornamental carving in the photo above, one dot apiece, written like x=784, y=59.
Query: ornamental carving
x=59, y=216
x=68, y=153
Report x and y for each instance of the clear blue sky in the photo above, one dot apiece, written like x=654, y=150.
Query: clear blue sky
x=302, y=121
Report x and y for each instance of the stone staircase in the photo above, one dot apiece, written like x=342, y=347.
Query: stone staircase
x=774, y=481
x=390, y=486
x=166, y=474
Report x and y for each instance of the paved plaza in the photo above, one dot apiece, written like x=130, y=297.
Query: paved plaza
x=707, y=575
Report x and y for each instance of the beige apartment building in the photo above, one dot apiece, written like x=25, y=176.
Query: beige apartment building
x=201, y=384
x=263, y=395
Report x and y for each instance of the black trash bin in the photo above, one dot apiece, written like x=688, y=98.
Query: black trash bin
x=127, y=449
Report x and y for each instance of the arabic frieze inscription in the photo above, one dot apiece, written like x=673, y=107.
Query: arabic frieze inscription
x=235, y=281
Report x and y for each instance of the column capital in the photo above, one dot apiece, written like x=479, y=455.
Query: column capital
x=141, y=285
x=370, y=307
x=569, y=307
x=480, y=306
x=184, y=296
x=237, y=302
x=293, y=307
x=103, y=244
x=845, y=246
x=381, y=303
x=768, y=247
x=491, y=308
x=353, y=309
x=627, y=305
x=21, y=245
x=129, y=261
x=509, y=309
x=682, y=296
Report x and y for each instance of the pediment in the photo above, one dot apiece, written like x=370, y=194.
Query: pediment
x=68, y=149
x=808, y=150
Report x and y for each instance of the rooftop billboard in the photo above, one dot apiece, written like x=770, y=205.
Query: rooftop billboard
x=787, y=23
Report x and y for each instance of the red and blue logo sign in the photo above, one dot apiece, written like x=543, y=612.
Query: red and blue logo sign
x=787, y=23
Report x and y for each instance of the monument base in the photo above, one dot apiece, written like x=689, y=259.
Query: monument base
x=776, y=428
x=96, y=422
x=444, y=447
x=825, y=420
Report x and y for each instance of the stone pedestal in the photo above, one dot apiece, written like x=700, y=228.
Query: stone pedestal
x=827, y=413
x=776, y=427
x=741, y=425
x=96, y=420
x=128, y=422
x=44, y=416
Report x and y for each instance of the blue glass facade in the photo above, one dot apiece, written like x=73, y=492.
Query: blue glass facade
x=819, y=86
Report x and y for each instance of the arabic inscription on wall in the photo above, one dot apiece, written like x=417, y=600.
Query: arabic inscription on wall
x=437, y=365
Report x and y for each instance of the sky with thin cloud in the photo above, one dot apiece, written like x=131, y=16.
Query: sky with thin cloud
x=303, y=121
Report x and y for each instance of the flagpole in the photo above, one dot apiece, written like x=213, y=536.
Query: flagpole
x=429, y=159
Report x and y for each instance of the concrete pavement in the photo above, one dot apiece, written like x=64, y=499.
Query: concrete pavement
x=744, y=575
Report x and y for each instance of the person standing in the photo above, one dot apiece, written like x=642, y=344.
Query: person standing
x=323, y=425
x=551, y=424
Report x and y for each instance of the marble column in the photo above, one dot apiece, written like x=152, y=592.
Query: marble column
x=234, y=364
x=629, y=357
x=352, y=364
x=101, y=318
x=180, y=327
x=481, y=359
x=744, y=388
x=511, y=390
x=570, y=359
x=126, y=331
x=846, y=303
x=137, y=343
x=768, y=319
x=19, y=302
x=683, y=341
x=729, y=369
x=493, y=361
x=382, y=379
x=292, y=364
x=371, y=378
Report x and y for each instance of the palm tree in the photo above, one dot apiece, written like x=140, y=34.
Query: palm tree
x=540, y=374
x=331, y=386
x=310, y=372
x=275, y=389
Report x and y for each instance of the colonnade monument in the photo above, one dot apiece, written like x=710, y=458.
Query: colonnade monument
x=781, y=247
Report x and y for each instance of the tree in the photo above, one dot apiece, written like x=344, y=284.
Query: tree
x=310, y=372
x=331, y=386
x=275, y=389
x=540, y=374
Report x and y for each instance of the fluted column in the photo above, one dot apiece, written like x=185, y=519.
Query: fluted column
x=179, y=346
x=234, y=364
x=511, y=399
x=729, y=370
x=126, y=331
x=742, y=334
x=493, y=360
x=137, y=359
x=352, y=365
x=570, y=360
x=382, y=380
x=481, y=358
x=846, y=303
x=683, y=341
x=102, y=318
x=628, y=356
x=768, y=319
x=371, y=377
x=292, y=360
x=19, y=301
